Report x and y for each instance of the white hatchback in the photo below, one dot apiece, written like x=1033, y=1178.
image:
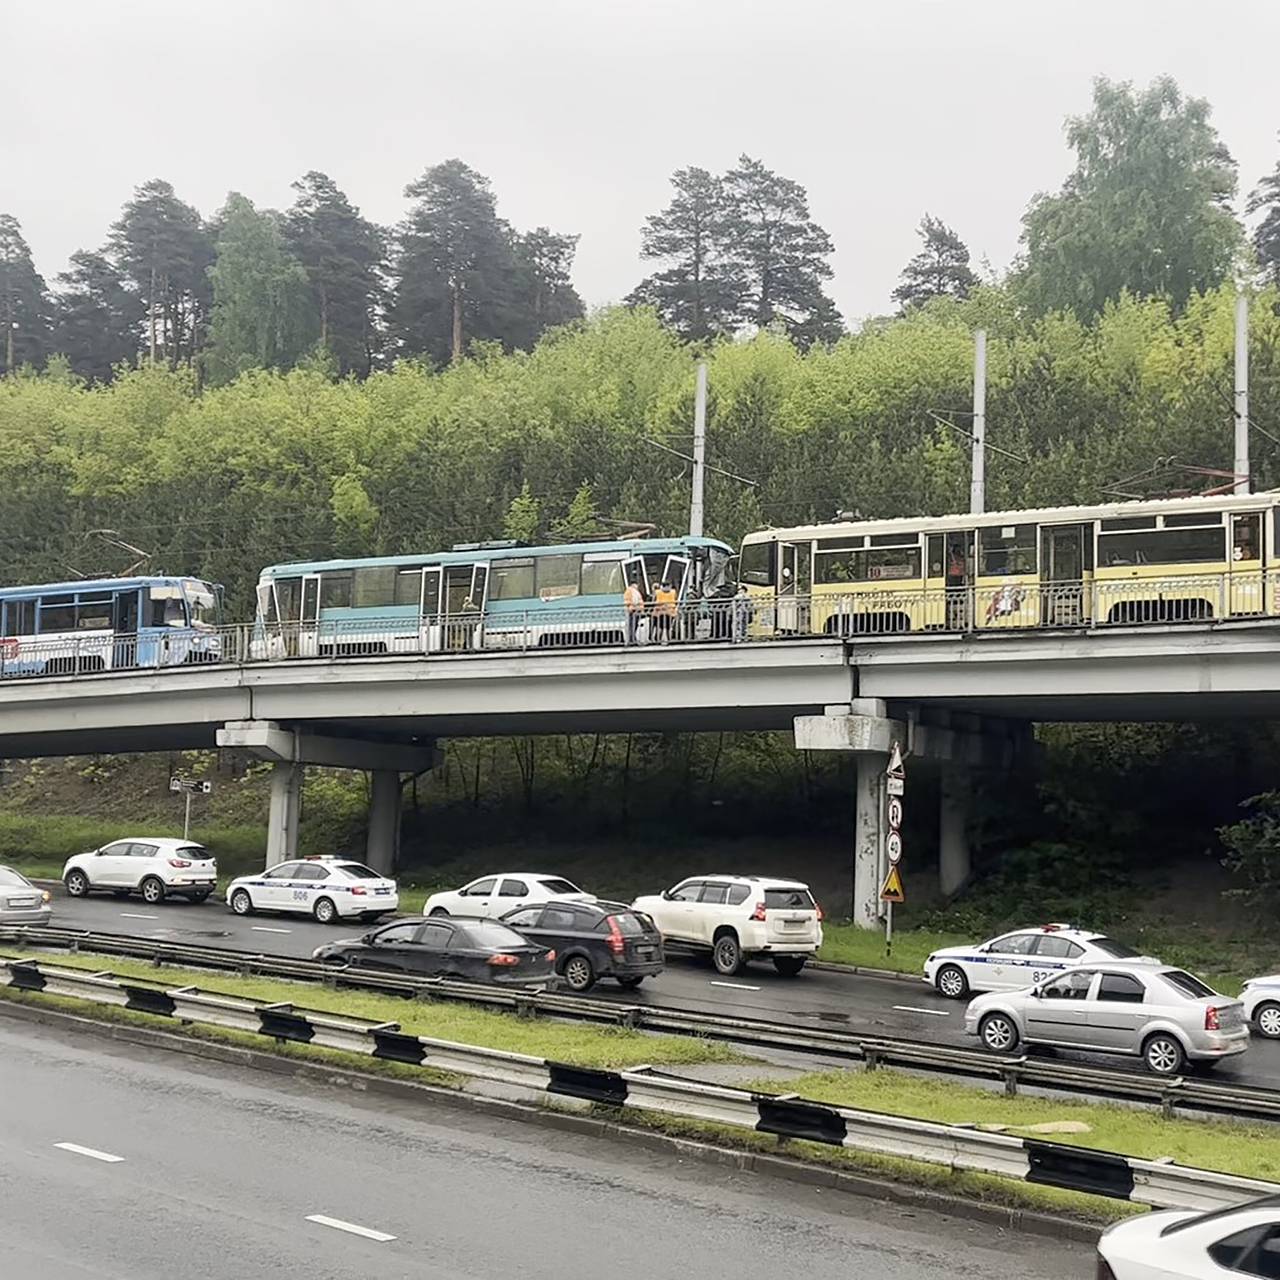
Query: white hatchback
x=1232, y=1244
x=326, y=888
x=154, y=866
x=1261, y=1000
x=492, y=896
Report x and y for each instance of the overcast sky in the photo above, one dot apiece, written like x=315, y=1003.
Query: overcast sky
x=579, y=110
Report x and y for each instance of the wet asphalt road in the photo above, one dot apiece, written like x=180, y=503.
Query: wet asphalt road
x=817, y=998
x=214, y=1173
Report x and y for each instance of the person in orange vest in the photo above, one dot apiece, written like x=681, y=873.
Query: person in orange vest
x=633, y=601
x=664, y=610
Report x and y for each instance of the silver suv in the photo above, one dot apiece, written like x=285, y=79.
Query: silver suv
x=1164, y=1016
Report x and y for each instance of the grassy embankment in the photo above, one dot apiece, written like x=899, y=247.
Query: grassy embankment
x=1247, y=1149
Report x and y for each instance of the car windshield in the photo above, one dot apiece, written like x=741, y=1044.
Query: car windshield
x=14, y=880
x=1188, y=985
x=1116, y=950
x=801, y=899
x=495, y=937
x=358, y=871
x=559, y=886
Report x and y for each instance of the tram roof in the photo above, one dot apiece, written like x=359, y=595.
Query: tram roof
x=81, y=585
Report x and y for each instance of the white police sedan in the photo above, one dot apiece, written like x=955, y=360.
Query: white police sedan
x=326, y=888
x=1020, y=959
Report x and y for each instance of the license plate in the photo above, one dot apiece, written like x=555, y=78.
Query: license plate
x=384, y=892
x=646, y=953
x=24, y=902
x=792, y=925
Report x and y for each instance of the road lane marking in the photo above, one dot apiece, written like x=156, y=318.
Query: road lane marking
x=265, y=928
x=338, y=1225
x=737, y=986
x=133, y=915
x=936, y=1013
x=76, y=1149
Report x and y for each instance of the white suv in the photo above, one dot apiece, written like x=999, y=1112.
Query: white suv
x=740, y=918
x=154, y=866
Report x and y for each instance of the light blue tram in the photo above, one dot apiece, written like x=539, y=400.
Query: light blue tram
x=99, y=624
x=495, y=595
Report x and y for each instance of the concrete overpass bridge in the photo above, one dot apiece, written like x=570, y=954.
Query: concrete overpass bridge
x=955, y=702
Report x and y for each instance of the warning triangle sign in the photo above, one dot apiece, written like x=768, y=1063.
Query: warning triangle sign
x=895, y=767
x=892, y=890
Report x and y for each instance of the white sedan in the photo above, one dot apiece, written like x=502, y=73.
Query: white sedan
x=1261, y=1000
x=495, y=895
x=1019, y=959
x=1226, y=1244
x=326, y=888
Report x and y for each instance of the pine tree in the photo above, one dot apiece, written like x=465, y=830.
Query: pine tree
x=778, y=253
x=98, y=319
x=524, y=517
x=24, y=301
x=579, y=522
x=1265, y=199
x=940, y=270
x=698, y=294
x=342, y=254
x=546, y=296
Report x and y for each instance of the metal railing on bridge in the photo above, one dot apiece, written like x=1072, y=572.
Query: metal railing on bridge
x=861, y=611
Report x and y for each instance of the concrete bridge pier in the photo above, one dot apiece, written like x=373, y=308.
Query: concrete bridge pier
x=289, y=750
x=955, y=862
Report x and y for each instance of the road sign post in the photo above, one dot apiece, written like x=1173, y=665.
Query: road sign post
x=189, y=787
x=891, y=891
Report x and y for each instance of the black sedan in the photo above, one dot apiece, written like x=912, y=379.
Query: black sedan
x=593, y=940
x=456, y=947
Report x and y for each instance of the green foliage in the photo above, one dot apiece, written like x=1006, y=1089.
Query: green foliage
x=940, y=270
x=1253, y=850
x=524, y=517
x=1146, y=210
x=24, y=302
x=579, y=522
x=98, y=317
x=1265, y=199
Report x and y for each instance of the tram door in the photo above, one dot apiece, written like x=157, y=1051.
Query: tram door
x=309, y=618
x=430, y=627
x=125, y=626
x=957, y=569
x=1064, y=563
x=1246, y=564
x=788, y=587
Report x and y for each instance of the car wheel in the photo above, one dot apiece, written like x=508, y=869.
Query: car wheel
x=998, y=1033
x=438, y=911
x=1267, y=1019
x=152, y=890
x=1163, y=1055
x=241, y=903
x=789, y=966
x=726, y=954
x=630, y=984
x=578, y=973
x=77, y=884
x=324, y=911
x=952, y=982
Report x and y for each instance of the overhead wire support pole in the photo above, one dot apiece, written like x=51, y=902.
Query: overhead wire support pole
x=1241, y=403
x=978, y=474
x=699, y=453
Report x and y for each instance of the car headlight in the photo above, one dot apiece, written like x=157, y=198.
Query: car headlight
x=46, y=895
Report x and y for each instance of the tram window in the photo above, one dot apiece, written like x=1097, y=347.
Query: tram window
x=602, y=578
x=894, y=540
x=57, y=613
x=889, y=564
x=374, y=587
x=19, y=618
x=558, y=576
x=1196, y=521
x=1246, y=537
x=1162, y=546
x=511, y=580
x=335, y=590
x=756, y=564
x=94, y=613
x=937, y=557
x=1125, y=523
x=1008, y=549
x=408, y=589
x=289, y=595
x=833, y=566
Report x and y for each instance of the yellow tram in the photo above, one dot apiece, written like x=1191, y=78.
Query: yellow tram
x=1125, y=563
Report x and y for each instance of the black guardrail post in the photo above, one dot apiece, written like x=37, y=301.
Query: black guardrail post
x=148, y=1000
x=788, y=1119
x=607, y=1087
x=281, y=1025
x=1079, y=1169
x=26, y=976
x=395, y=1046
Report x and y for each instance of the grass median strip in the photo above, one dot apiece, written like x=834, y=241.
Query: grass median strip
x=579, y=1044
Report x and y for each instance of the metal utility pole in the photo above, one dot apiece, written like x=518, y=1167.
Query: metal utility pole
x=186, y=819
x=699, y=452
x=978, y=474
x=1241, y=403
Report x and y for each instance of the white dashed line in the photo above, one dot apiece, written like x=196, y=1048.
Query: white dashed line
x=936, y=1013
x=338, y=1225
x=78, y=1150
x=133, y=915
x=264, y=928
x=737, y=986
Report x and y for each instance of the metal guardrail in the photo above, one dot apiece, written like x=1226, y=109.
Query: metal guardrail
x=1190, y=1093
x=872, y=610
x=786, y=1116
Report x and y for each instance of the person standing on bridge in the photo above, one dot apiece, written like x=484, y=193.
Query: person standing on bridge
x=633, y=601
x=664, y=611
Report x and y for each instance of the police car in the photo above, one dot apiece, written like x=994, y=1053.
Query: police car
x=326, y=888
x=1020, y=959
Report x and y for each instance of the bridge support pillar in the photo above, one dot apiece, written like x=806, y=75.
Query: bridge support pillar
x=383, y=846
x=282, y=820
x=868, y=839
x=953, y=829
